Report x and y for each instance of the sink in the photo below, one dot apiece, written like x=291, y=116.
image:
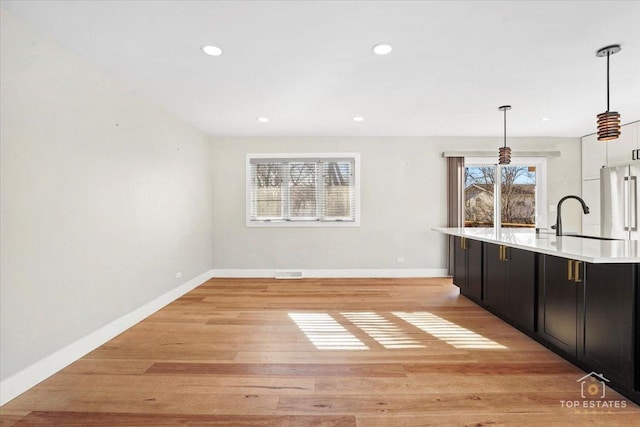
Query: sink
x=583, y=236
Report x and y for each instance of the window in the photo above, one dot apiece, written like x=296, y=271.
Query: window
x=302, y=189
x=479, y=195
x=515, y=193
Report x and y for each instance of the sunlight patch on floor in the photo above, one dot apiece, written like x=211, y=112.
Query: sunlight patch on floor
x=382, y=330
x=448, y=332
x=326, y=333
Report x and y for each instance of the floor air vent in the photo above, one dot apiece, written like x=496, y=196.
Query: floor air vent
x=288, y=274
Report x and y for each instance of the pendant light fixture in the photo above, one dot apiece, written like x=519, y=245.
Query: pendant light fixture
x=609, y=121
x=504, y=153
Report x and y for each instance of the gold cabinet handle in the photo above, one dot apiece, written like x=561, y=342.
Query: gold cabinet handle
x=569, y=269
x=500, y=252
x=577, y=264
x=504, y=254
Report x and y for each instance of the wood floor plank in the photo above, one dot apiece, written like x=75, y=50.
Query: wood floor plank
x=382, y=405
x=496, y=368
x=248, y=322
x=181, y=384
x=88, y=366
x=451, y=383
x=110, y=419
x=147, y=402
x=163, y=352
x=316, y=352
x=311, y=355
x=460, y=402
x=280, y=370
x=533, y=419
x=11, y=418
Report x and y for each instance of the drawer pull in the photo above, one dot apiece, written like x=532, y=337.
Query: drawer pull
x=569, y=269
x=577, y=264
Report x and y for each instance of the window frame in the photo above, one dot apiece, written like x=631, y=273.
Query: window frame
x=301, y=222
x=541, y=185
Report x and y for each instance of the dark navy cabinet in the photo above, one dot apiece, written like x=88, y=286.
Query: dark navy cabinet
x=510, y=284
x=558, y=302
x=468, y=267
x=608, y=321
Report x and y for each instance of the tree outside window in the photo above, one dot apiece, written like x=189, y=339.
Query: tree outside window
x=517, y=193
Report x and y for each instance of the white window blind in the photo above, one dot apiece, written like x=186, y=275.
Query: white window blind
x=302, y=190
x=267, y=192
x=338, y=191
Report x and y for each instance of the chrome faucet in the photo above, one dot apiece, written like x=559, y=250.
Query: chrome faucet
x=585, y=209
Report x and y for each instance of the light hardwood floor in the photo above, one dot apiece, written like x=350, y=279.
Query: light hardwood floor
x=334, y=352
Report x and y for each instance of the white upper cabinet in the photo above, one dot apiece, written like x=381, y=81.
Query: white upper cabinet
x=623, y=151
x=594, y=156
x=591, y=196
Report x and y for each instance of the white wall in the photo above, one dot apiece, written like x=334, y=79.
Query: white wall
x=104, y=197
x=403, y=196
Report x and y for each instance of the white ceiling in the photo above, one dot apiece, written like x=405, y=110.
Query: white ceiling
x=308, y=66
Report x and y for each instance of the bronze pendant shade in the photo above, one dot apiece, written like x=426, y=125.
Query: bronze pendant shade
x=504, y=153
x=608, y=125
x=609, y=121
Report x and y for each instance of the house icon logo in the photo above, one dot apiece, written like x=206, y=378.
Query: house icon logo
x=592, y=385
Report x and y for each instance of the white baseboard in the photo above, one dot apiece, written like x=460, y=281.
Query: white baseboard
x=346, y=273
x=22, y=381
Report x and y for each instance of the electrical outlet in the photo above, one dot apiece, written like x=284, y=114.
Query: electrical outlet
x=400, y=259
x=553, y=208
x=178, y=274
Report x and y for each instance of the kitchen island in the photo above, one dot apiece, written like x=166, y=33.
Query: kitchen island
x=584, y=249
x=578, y=296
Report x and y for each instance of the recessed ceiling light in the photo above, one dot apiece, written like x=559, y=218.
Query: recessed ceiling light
x=358, y=119
x=545, y=119
x=382, y=49
x=263, y=119
x=212, y=50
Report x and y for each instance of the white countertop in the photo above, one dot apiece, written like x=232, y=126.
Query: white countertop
x=578, y=248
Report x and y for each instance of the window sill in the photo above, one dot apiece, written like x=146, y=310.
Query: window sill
x=302, y=224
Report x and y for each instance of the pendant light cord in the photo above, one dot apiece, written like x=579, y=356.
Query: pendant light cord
x=505, y=127
x=608, y=54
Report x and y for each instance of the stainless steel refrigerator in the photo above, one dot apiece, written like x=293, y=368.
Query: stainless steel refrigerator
x=619, y=202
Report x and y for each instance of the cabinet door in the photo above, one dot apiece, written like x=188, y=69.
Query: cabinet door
x=495, y=284
x=621, y=151
x=609, y=321
x=459, y=264
x=559, y=298
x=521, y=287
x=594, y=156
x=474, y=270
